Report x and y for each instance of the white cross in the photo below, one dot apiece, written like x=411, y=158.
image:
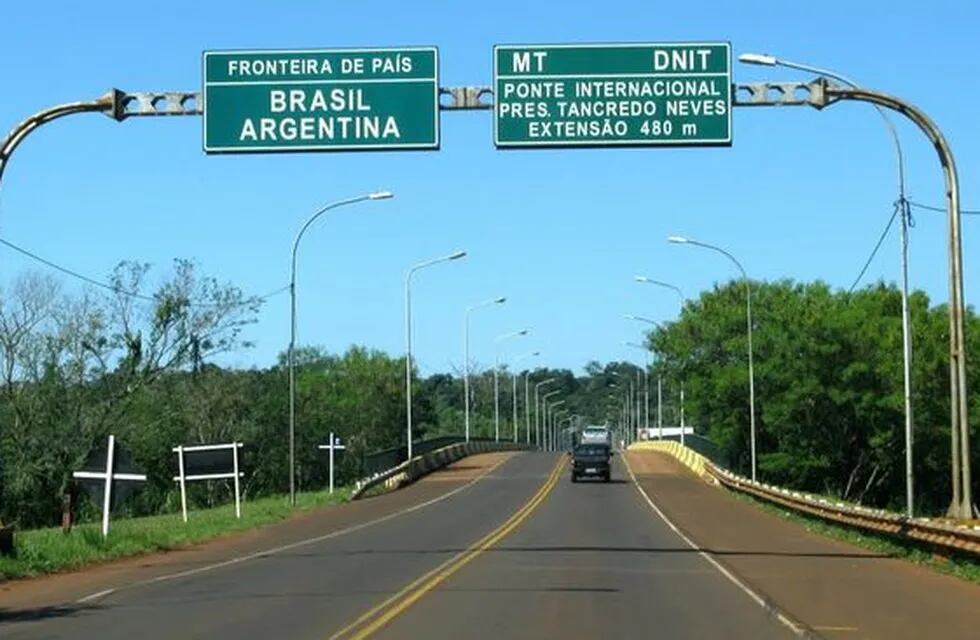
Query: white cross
x=334, y=445
x=109, y=475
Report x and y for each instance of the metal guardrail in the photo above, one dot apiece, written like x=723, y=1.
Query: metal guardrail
x=952, y=537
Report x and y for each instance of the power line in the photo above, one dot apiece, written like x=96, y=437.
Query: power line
x=874, y=251
x=117, y=290
x=919, y=205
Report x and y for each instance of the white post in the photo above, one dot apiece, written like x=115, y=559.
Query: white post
x=107, y=497
x=183, y=482
x=660, y=408
x=527, y=408
x=513, y=377
x=238, y=499
x=496, y=402
x=682, y=414
x=332, y=443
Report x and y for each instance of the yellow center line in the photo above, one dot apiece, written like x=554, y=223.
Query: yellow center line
x=380, y=615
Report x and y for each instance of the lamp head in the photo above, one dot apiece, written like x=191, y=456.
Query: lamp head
x=456, y=255
x=380, y=195
x=758, y=58
x=678, y=239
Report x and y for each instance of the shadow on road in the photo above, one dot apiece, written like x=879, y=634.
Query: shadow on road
x=43, y=613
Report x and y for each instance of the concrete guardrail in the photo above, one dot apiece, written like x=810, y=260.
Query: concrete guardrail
x=411, y=470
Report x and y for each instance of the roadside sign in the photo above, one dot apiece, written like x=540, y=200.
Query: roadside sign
x=108, y=475
x=209, y=462
x=594, y=95
x=321, y=100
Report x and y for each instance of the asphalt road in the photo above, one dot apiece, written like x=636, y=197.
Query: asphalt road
x=522, y=553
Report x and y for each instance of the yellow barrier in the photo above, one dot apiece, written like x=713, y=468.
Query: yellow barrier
x=687, y=457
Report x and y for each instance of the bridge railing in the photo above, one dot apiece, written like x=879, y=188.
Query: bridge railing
x=963, y=538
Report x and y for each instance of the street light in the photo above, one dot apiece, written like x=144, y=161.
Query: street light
x=560, y=416
x=551, y=422
x=666, y=285
x=748, y=323
x=456, y=255
x=630, y=316
x=496, y=378
x=527, y=404
x=513, y=378
x=466, y=355
x=291, y=357
x=537, y=409
x=646, y=380
x=545, y=425
x=630, y=396
x=769, y=60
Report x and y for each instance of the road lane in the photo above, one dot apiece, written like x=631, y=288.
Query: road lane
x=835, y=589
x=309, y=591
x=592, y=562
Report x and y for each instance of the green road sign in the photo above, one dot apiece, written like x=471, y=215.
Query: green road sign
x=321, y=100
x=643, y=94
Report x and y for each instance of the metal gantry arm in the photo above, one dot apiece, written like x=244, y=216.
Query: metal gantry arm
x=820, y=93
x=962, y=502
x=116, y=104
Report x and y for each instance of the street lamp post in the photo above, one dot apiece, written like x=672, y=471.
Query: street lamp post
x=291, y=357
x=552, y=434
x=902, y=204
x=496, y=379
x=537, y=409
x=630, y=394
x=456, y=255
x=660, y=408
x=527, y=406
x=646, y=379
x=748, y=323
x=560, y=417
x=513, y=379
x=666, y=285
x=466, y=356
x=545, y=424
x=683, y=300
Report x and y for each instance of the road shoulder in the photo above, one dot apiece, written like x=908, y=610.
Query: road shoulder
x=34, y=596
x=836, y=589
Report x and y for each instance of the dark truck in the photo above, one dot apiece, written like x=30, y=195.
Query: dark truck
x=591, y=461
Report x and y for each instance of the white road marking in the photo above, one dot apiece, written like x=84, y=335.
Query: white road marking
x=292, y=545
x=793, y=626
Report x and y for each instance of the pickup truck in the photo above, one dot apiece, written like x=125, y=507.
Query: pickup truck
x=592, y=461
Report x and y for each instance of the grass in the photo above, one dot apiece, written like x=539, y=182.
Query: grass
x=43, y=551
x=961, y=566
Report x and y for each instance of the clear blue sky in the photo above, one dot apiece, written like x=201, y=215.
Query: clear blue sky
x=801, y=194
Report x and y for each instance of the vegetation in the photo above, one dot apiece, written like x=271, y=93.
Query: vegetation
x=49, y=550
x=828, y=376
x=75, y=368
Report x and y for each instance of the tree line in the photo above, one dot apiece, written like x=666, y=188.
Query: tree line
x=76, y=367
x=829, y=386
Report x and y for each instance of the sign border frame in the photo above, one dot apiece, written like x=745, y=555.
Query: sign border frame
x=436, y=146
